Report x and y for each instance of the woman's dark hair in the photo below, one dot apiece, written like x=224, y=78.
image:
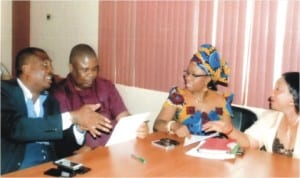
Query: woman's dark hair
x=212, y=85
x=292, y=80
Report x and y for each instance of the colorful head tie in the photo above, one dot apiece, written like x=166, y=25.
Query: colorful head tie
x=208, y=59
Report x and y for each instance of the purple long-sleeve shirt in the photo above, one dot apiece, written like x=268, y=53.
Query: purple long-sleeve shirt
x=102, y=91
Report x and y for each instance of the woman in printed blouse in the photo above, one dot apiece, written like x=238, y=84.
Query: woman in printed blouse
x=188, y=108
x=277, y=132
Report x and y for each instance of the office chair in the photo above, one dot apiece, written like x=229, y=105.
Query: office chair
x=242, y=118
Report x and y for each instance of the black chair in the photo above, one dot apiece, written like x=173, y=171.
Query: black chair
x=242, y=118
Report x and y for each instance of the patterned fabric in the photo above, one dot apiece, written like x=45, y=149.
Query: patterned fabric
x=191, y=117
x=208, y=59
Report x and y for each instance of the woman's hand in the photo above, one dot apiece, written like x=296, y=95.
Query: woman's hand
x=182, y=131
x=219, y=126
x=143, y=130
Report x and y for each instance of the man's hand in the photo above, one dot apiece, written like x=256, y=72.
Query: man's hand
x=89, y=120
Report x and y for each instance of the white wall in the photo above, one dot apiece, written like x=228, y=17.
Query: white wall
x=71, y=22
x=139, y=100
x=6, y=34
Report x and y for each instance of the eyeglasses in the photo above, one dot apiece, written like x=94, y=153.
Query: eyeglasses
x=187, y=73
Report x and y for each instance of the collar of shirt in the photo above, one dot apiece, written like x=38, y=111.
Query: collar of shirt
x=37, y=106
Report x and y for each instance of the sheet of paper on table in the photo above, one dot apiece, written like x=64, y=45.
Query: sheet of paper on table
x=126, y=128
x=193, y=152
x=198, y=138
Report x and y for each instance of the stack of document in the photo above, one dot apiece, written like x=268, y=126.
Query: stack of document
x=215, y=148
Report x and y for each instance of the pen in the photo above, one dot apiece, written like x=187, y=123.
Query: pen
x=235, y=149
x=140, y=159
x=212, y=135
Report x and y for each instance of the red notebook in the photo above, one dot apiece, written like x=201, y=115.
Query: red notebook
x=218, y=145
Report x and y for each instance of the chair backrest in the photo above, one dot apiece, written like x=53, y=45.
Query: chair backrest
x=243, y=118
x=5, y=75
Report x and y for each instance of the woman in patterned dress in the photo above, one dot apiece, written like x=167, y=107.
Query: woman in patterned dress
x=187, y=109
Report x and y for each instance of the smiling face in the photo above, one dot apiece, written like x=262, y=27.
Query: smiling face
x=84, y=70
x=281, y=99
x=37, y=72
x=195, y=79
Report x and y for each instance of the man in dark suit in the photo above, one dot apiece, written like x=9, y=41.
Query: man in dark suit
x=33, y=130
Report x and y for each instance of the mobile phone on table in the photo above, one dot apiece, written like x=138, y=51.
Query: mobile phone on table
x=165, y=143
x=67, y=164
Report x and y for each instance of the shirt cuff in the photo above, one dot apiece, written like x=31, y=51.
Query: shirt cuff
x=79, y=134
x=66, y=120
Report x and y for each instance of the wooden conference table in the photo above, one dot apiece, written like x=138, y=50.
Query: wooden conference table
x=117, y=161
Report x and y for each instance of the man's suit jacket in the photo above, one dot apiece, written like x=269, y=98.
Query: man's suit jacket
x=17, y=129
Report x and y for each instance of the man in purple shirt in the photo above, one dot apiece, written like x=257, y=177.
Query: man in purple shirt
x=84, y=86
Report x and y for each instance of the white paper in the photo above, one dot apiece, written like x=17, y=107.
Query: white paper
x=209, y=155
x=198, y=138
x=126, y=128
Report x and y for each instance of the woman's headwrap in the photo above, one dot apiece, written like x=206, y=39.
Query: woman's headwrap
x=208, y=59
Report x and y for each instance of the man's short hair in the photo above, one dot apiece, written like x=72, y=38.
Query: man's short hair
x=23, y=57
x=81, y=50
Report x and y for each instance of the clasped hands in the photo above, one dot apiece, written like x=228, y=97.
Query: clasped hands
x=88, y=119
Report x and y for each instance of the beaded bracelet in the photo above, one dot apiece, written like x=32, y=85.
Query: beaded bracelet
x=169, y=124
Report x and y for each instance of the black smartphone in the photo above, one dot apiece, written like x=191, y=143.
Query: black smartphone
x=56, y=172
x=165, y=143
